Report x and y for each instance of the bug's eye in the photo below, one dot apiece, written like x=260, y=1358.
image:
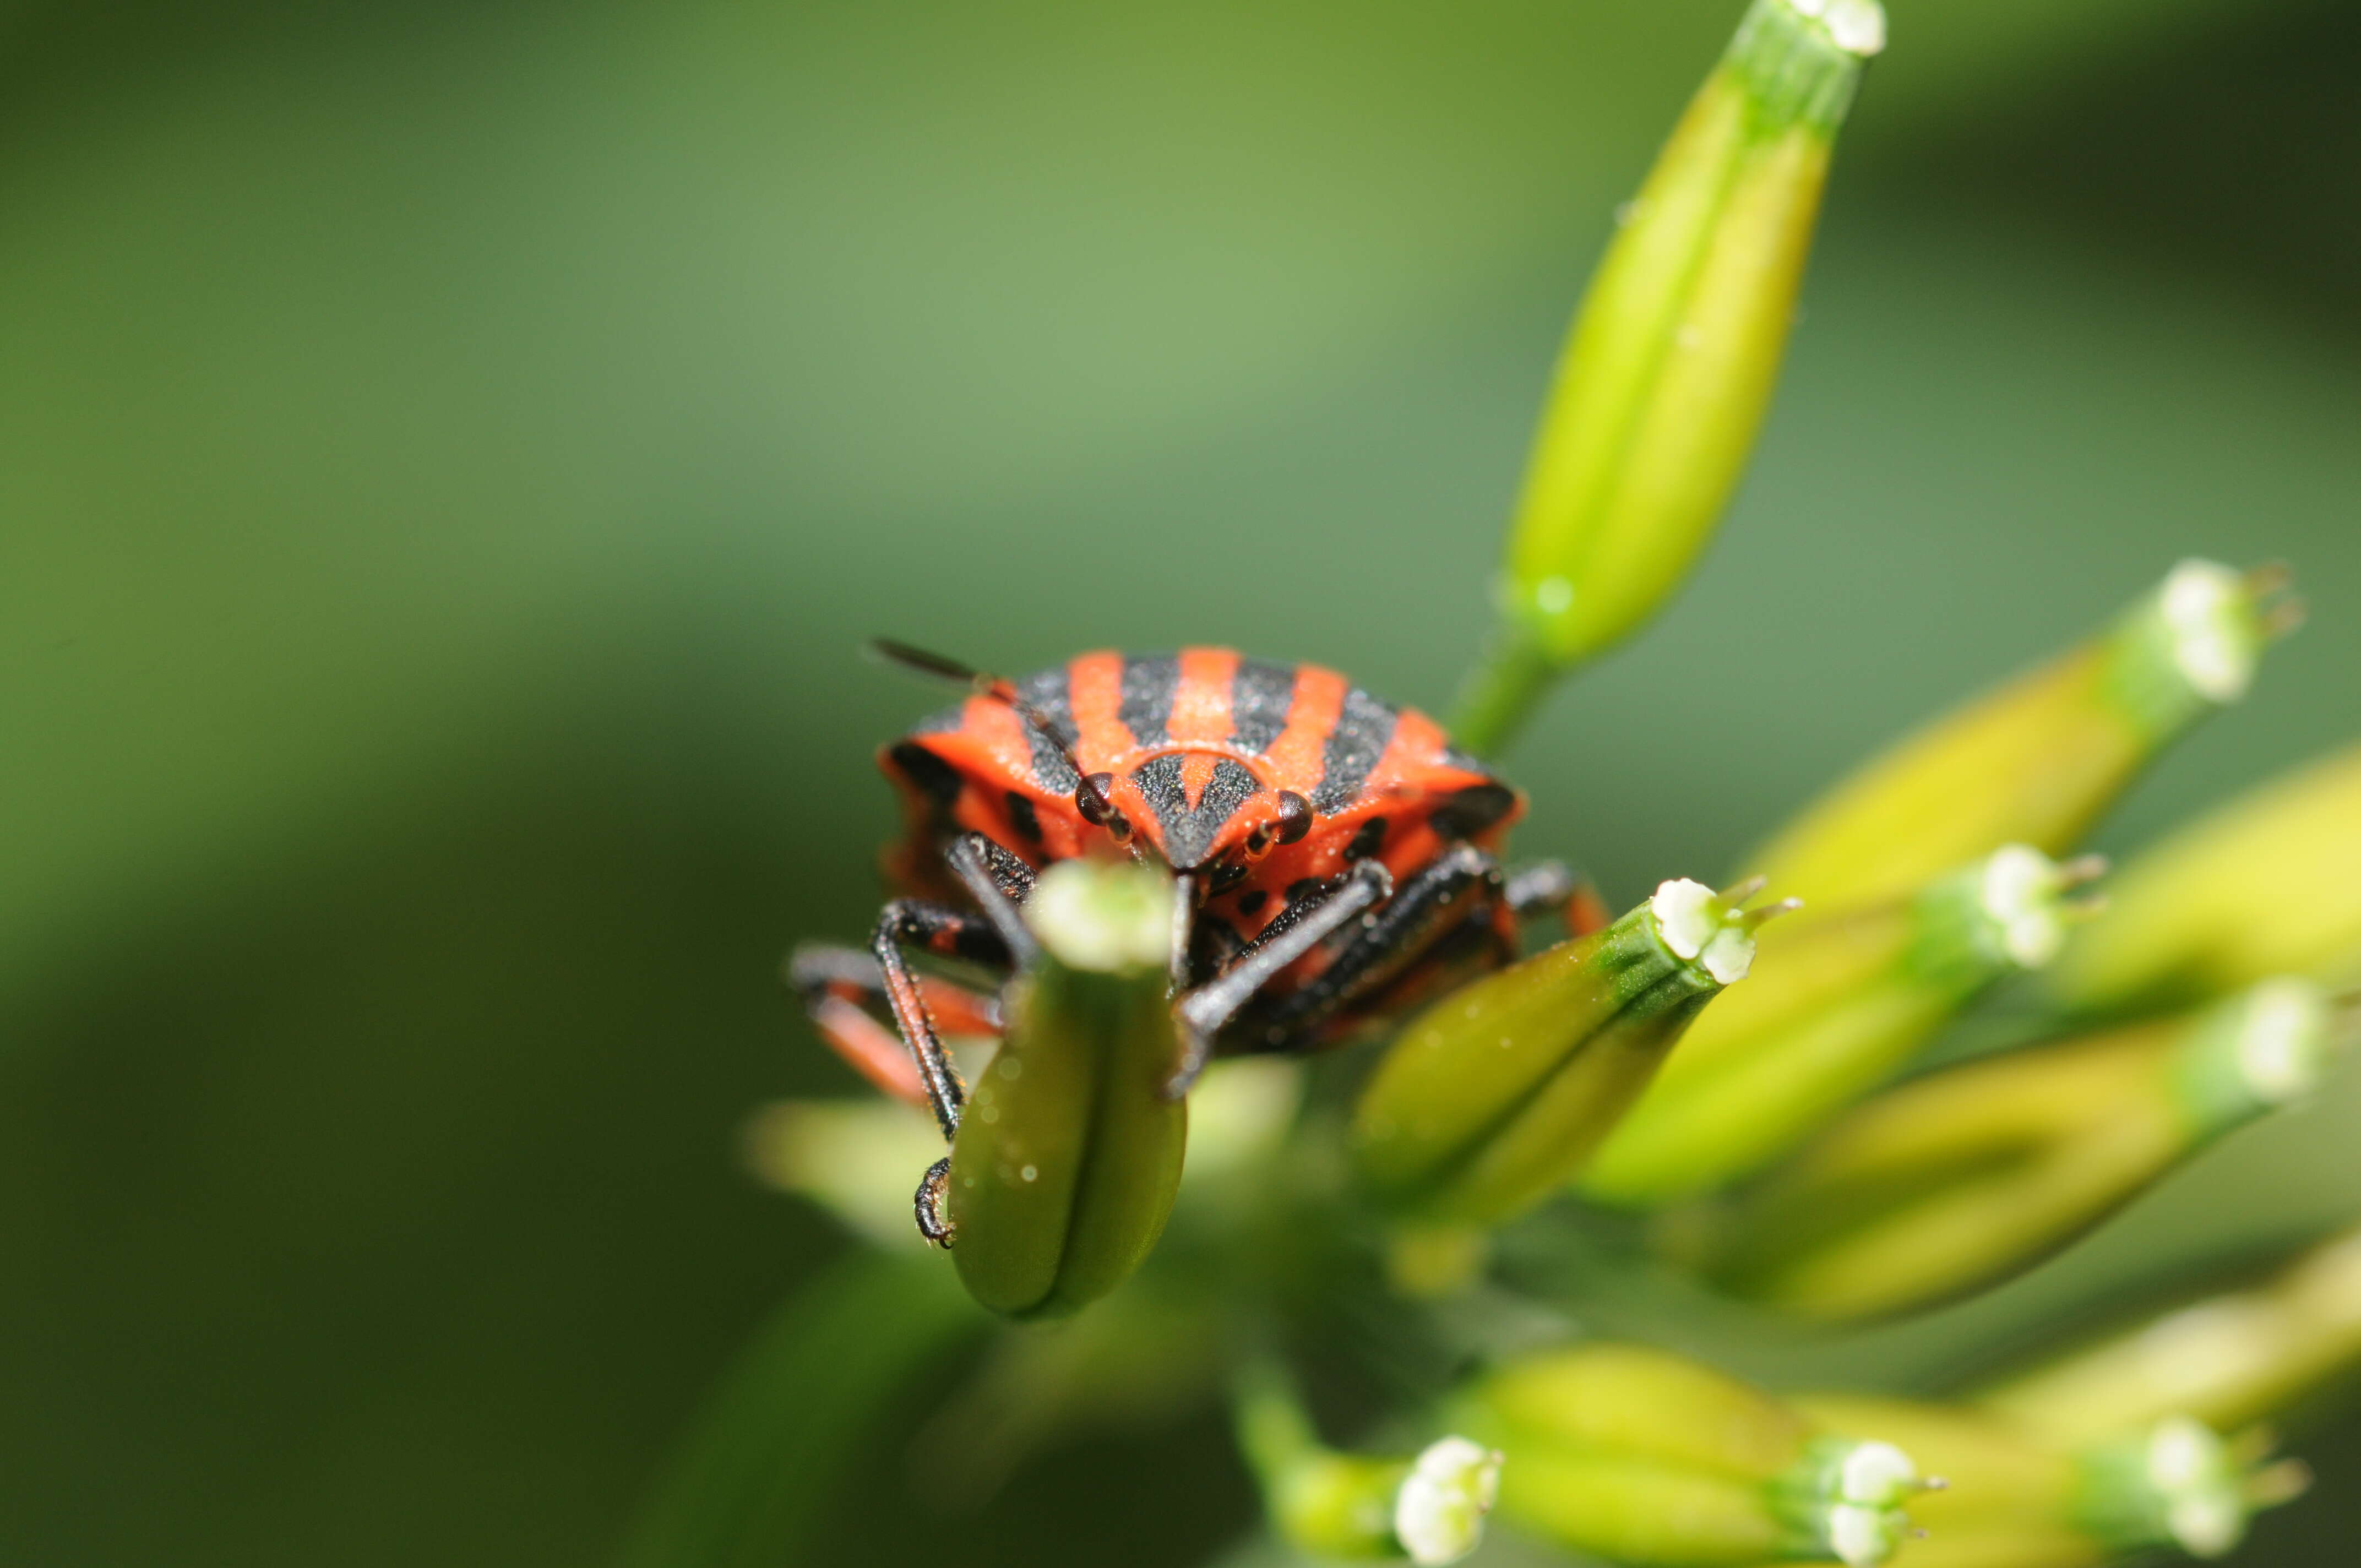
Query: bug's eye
x=1095, y=799
x=1294, y=817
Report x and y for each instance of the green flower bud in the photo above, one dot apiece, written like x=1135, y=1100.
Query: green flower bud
x=2175, y=1484
x=1645, y=1457
x=2229, y=1360
x=1843, y=1003
x=1982, y=1466
x=1976, y=1172
x=1069, y=1153
x=2269, y=884
x=1664, y=378
x=1492, y=1098
x=1429, y=1509
x=2037, y=761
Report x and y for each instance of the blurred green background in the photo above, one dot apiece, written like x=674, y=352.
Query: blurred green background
x=449, y=456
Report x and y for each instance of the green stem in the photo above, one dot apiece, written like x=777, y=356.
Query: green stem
x=1501, y=694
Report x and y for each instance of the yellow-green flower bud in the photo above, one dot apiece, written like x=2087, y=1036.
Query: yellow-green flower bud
x=1429, y=1509
x=1843, y=1003
x=1069, y=1152
x=2173, y=1484
x=1976, y=1172
x=2269, y=884
x=2229, y=1360
x=1664, y=378
x=1645, y=1457
x=1491, y=1099
x=2037, y=761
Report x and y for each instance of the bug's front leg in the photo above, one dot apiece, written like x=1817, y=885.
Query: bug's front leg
x=1206, y=1009
x=950, y=933
x=1430, y=908
x=996, y=938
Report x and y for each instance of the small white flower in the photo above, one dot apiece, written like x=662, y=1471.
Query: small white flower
x=1439, y=1511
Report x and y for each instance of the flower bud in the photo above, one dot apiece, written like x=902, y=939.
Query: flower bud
x=1491, y=1099
x=1970, y=1174
x=2269, y=884
x=1068, y=1154
x=1645, y=1457
x=2037, y=761
x=2229, y=1360
x=1844, y=1001
x=1664, y=378
x=1429, y=1509
x=2174, y=1483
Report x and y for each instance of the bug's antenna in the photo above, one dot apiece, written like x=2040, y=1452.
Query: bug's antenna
x=927, y=663
x=998, y=689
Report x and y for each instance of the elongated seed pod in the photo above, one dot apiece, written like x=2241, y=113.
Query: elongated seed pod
x=2037, y=761
x=1492, y=1098
x=1849, y=999
x=2269, y=884
x=1639, y=1455
x=1070, y=1153
x=2229, y=1359
x=1663, y=381
x=2172, y=1483
x=1970, y=1174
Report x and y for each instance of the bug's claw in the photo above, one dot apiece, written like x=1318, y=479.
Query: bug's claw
x=933, y=1189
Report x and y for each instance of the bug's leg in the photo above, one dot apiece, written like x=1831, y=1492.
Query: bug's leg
x=1000, y=884
x=952, y=933
x=838, y=985
x=1431, y=907
x=1552, y=887
x=928, y=1203
x=1203, y=1011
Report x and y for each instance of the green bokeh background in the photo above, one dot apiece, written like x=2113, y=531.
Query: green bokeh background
x=450, y=455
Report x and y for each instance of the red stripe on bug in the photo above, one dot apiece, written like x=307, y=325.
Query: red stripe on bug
x=1094, y=695
x=1416, y=746
x=1200, y=714
x=1298, y=757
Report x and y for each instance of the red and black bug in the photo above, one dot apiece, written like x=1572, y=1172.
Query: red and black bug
x=1336, y=856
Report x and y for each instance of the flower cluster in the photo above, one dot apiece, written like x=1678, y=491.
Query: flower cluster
x=1767, y=1105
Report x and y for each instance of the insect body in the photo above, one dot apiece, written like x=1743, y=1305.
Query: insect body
x=1334, y=855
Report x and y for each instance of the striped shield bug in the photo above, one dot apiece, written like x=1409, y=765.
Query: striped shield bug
x=1335, y=858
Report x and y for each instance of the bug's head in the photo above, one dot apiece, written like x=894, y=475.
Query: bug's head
x=1197, y=810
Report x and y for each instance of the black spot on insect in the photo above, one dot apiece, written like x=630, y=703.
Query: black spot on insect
x=1224, y=877
x=1023, y=817
x=1251, y=901
x=1306, y=887
x=1367, y=840
x=935, y=778
x=1467, y=812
